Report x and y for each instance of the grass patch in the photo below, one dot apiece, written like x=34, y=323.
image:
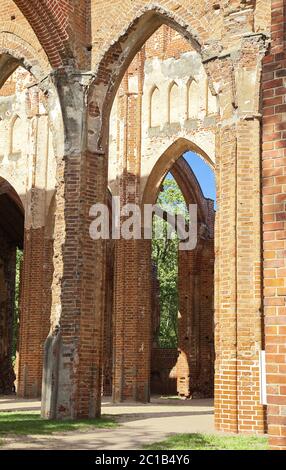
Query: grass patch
x=23, y=423
x=210, y=442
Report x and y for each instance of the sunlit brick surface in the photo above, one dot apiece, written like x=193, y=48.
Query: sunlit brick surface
x=78, y=54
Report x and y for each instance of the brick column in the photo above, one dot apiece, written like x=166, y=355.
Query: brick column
x=274, y=225
x=72, y=373
x=132, y=321
x=225, y=285
x=195, y=366
x=107, y=339
x=238, y=310
x=132, y=281
x=251, y=414
x=34, y=317
x=205, y=381
x=238, y=281
x=37, y=265
x=188, y=323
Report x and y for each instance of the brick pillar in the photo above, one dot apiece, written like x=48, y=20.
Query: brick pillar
x=238, y=305
x=274, y=226
x=225, y=310
x=205, y=373
x=37, y=267
x=155, y=304
x=195, y=366
x=188, y=323
x=72, y=373
x=7, y=299
x=132, y=321
x=238, y=281
x=251, y=414
x=34, y=312
x=108, y=323
x=132, y=281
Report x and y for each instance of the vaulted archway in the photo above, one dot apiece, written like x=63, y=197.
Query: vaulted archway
x=236, y=129
x=12, y=239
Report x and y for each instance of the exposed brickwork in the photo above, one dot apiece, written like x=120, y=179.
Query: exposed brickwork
x=11, y=237
x=132, y=301
x=35, y=311
x=25, y=126
x=198, y=378
x=274, y=226
x=50, y=20
x=7, y=295
x=107, y=365
x=76, y=320
x=16, y=33
x=238, y=309
x=166, y=43
x=163, y=371
x=82, y=36
x=195, y=366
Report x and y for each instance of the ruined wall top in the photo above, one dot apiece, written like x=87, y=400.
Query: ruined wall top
x=64, y=32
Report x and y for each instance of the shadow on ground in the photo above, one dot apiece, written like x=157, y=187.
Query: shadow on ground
x=138, y=425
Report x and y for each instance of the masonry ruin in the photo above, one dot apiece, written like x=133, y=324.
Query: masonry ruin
x=89, y=111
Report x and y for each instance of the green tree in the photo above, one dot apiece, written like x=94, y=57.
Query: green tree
x=19, y=257
x=165, y=256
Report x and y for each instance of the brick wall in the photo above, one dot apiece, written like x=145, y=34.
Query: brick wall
x=35, y=311
x=7, y=300
x=274, y=225
x=82, y=177
x=33, y=178
x=107, y=363
x=163, y=371
x=129, y=128
x=195, y=366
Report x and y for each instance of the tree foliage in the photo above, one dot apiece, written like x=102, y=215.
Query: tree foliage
x=19, y=258
x=165, y=256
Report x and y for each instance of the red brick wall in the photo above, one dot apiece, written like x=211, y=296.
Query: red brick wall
x=163, y=371
x=35, y=311
x=107, y=340
x=195, y=367
x=238, y=314
x=7, y=299
x=60, y=26
x=166, y=43
x=274, y=225
x=132, y=272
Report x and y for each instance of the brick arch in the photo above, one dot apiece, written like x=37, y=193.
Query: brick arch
x=48, y=19
x=8, y=65
x=194, y=365
x=11, y=238
x=118, y=56
x=7, y=188
x=169, y=161
x=189, y=186
x=196, y=18
x=16, y=50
